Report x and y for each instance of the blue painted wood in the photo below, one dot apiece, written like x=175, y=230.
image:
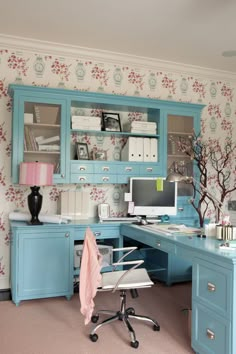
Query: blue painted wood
x=214, y=286
x=156, y=110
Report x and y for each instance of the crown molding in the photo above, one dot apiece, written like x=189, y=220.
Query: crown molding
x=45, y=47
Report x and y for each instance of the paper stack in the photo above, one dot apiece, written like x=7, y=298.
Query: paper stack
x=142, y=127
x=86, y=123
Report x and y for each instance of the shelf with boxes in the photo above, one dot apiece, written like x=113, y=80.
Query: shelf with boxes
x=94, y=130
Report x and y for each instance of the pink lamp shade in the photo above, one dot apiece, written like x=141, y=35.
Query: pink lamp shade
x=36, y=174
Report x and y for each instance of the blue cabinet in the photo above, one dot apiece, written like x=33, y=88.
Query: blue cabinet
x=41, y=261
x=41, y=113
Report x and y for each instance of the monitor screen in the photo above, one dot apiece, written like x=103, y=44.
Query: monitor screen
x=151, y=198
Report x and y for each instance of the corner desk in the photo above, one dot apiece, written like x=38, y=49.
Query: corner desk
x=42, y=266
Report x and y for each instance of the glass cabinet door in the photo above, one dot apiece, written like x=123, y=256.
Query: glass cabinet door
x=180, y=128
x=42, y=133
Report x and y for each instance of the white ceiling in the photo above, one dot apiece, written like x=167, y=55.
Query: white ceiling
x=193, y=32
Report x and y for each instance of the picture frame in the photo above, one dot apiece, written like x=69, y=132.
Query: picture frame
x=82, y=151
x=100, y=155
x=111, y=122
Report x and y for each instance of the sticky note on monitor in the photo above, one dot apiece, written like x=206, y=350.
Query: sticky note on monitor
x=159, y=184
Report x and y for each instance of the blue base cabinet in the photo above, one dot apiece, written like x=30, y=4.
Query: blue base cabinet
x=41, y=262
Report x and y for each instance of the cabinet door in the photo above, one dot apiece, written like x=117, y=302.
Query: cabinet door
x=39, y=133
x=44, y=264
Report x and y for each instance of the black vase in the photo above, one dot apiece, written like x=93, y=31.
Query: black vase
x=35, y=203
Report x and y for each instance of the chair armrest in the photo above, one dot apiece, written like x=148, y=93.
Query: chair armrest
x=128, y=249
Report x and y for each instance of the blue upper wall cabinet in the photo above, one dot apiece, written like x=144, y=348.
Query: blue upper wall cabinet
x=43, y=130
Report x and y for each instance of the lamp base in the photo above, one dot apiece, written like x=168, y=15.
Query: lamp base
x=35, y=203
x=34, y=222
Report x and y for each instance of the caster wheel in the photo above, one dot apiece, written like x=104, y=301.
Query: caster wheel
x=93, y=337
x=130, y=311
x=94, y=319
x=156, y=328
x=134, y=344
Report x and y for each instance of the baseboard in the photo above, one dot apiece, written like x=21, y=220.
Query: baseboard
x=5, y=295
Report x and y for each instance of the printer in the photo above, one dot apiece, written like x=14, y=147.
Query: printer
x=105, y=250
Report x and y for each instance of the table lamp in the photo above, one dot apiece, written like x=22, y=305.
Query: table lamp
x=35, y=174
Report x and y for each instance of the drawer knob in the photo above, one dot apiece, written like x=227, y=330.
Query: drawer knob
x=82, y=168
x=105, y=179
x=211, y=287
x=210, y=334
x=149, y=169
x=82, y=178
x=62, y=175
x=67, y=234
x=105, y=168
x=97, y=233
x=180, y=209
x=129, y=169
x=158, y=244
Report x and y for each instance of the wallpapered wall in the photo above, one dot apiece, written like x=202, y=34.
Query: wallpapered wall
x=25, y=67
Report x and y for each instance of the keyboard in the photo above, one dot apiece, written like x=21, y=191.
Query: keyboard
x=119, y=219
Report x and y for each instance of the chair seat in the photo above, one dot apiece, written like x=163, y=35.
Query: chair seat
x=137, y=278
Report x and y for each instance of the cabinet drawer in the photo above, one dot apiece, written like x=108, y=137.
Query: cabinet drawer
x=81, y=167
x=128, y=169
x=104, y=168
x=210, y=333
x=82, y=178
x=212, y=286
x=100, y=232
x=149, y=169
x=105, y=178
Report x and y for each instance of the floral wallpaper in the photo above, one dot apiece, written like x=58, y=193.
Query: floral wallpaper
x=27, y=67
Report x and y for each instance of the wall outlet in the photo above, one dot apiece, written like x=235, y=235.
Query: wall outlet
x=232, y=205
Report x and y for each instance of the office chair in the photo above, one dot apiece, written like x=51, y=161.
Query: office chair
x=131, y=279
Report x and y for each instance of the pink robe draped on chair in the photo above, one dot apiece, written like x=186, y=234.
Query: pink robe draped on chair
x=90, y=276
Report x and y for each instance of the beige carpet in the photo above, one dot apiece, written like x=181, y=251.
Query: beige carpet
x=55, y=326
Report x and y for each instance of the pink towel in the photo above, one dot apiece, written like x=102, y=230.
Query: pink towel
x=90, y=276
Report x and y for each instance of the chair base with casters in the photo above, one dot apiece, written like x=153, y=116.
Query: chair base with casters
x=124, y=314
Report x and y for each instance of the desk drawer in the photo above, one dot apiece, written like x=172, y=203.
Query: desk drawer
x=212, y=286
x=210, y=333
x=159, y=243
x=99, y=231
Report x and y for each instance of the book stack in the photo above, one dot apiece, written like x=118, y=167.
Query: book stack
x=142, y=127
x=48, y=144
x=86, y=123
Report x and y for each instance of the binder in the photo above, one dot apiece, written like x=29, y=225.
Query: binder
x=146, y=149
x=139, y=149
x=128, y=153
x=153, y=150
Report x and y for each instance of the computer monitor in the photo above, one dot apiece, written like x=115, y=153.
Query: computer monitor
x=153, y=198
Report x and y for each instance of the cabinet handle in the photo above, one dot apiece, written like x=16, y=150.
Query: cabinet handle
x=97, y=233
x=158, y=244
x=82, y=179
x=67, y=234
x=180, y=209
x=62, y=175
x=82, y=168
x=105, y=179
x=211, y=287
x=129, y=169
x=149, y=169
x=210, y=334
x=106, y=168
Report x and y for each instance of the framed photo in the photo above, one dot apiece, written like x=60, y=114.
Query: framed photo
x=111, y=122
x=82, y=151
x=100, y=155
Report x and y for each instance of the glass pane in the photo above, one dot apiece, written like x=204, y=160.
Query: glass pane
x=42, y=133
x=180, y=128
